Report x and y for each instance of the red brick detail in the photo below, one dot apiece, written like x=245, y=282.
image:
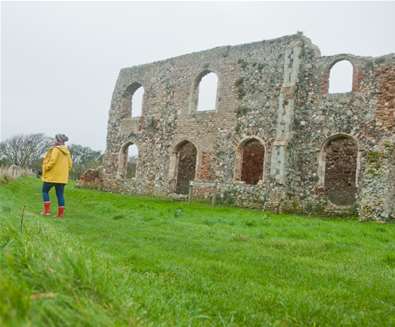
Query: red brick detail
x=91, y=178
x=325, y=82
x=205, y=171
x=385, y=111
x=252, y=164
x=357, y=77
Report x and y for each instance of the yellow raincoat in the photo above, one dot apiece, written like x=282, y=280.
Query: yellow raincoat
x=56, y=165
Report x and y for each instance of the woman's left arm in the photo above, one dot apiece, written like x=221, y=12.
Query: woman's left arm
x=52, y=160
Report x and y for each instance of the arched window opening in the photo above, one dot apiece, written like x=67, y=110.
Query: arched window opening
x=340, y=170
x=128, y=160
x=186, y=166
x=341, y=77
x=132, y=156
x=252, y=159
x=207, y=92
x=137, y=102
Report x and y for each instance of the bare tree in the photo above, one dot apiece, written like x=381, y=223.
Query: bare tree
x=83, y=158
x=24, y=150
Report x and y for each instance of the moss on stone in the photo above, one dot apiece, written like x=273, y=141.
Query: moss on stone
x=374, y=156
x=241, y=111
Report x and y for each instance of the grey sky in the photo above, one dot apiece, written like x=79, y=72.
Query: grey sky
x=60, y=60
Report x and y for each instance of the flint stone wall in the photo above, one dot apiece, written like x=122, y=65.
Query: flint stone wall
x=274, y=91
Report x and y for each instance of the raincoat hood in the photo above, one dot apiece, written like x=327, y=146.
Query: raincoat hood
x=63, y=149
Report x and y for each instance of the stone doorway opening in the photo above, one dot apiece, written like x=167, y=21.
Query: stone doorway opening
x=128, y=160
x=341, y=156
x=186, y=166
x=252, y=160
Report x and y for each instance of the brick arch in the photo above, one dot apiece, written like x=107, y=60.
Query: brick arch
x=250, y=160
x=356, y=75
x=338, y=168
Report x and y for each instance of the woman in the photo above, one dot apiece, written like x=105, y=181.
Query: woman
x=56, y=166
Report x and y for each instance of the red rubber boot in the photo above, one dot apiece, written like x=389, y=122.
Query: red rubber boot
x=47, y=209
x=60, y=212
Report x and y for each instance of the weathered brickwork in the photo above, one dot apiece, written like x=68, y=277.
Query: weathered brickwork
x=385, y=111
x=186, y=167
x=253, y=154
x=340, y=170
x=91, y=178
x=307, y=150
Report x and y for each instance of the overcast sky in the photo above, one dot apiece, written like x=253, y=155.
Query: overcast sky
x=60, y=60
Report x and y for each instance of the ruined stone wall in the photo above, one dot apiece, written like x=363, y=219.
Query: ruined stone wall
x=272, y=92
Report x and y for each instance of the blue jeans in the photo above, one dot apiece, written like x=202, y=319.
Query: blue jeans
x=59, y=188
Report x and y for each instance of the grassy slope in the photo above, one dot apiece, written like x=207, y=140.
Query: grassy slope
x=119, y=260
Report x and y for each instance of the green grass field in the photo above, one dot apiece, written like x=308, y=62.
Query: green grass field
x=132, y=261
